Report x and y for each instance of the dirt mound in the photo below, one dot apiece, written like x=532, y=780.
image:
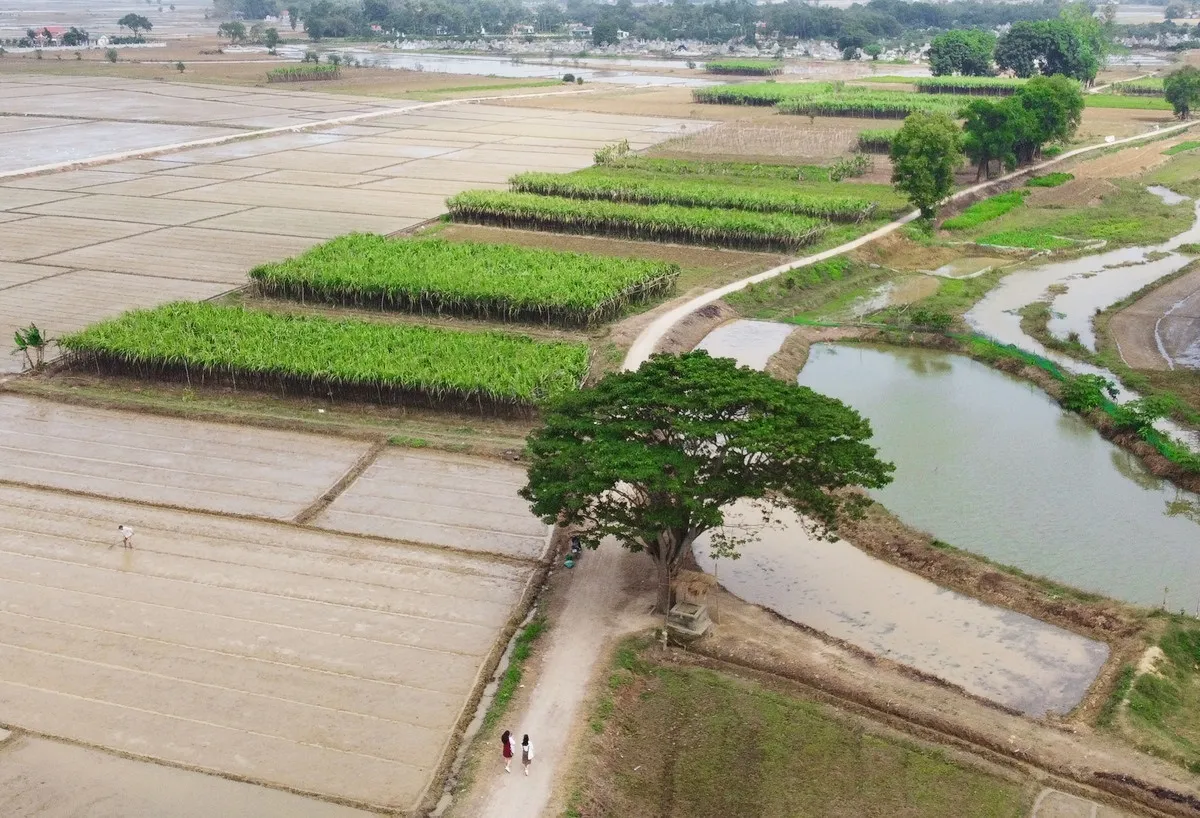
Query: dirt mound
x=1125, y=162
x=1073, y=194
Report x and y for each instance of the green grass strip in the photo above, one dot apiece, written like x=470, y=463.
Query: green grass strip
x=1119, y=101
x=466, y=278
x=510, y=682
x=1190, y=145
x=1151, y=86
x=1050, y=180
x=699, y=192
x=351, y=358
x=304, y=73
x=1031, y=239
x=986, y=210
x=691, y=225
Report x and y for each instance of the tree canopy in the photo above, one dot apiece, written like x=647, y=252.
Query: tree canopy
x=1014, y=130
x=962, y=52
x=135, y=23
x=654, y=457
x=926, y=152
x=1074, y=44
x=1182, y=90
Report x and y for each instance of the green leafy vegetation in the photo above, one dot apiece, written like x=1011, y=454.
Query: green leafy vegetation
x=482, y=280
x=697, y=192
x=1190, y=145
x=347, y=358
x=985, y=211
x=1181, y=89
x=1120, y=690
x=738, y=748
x=1050, y=180
x=800, y=292
x=1150, y=86
x=925, y=153
x=871, y=104
x=1013, y=131
x=877, y=140
x=510, y=682
x=304, y=73
x=749, y=68
x=967, y=52
x=694, y=225
x=698, y=167
x=757, y=93
x=985, y=86
x=1163, y=711
x=1031, y=238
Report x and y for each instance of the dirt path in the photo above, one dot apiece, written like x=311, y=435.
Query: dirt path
x=591, y=616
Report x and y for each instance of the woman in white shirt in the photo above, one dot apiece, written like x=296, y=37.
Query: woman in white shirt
x=526, y=752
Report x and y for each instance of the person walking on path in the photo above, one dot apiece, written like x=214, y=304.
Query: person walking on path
x=506, y=749
x=526, y=753
x=126, y=536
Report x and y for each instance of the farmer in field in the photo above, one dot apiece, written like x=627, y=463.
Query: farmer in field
x=126, y=536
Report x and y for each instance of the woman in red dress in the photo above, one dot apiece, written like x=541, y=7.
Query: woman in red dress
x=506, y=745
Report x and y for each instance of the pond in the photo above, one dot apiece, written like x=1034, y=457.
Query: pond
x=991, y=465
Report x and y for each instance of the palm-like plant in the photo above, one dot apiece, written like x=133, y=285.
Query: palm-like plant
x=31, y=342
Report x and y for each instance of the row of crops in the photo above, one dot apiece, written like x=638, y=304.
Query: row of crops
x=1149, y=87
x=828, y=99
x=973, y=86
x=745, y=68
x=490, y=281
x=875, y=140
x=304, y=73
x=310, y=355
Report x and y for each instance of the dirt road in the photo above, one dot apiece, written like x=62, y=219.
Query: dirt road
x=591, y=616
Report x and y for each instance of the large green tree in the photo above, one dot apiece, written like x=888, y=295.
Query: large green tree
x=654, y=457
x=135, y=23
x=991, y=132
x=1074, y=44
x=962, y=52
x=1182, y=90
x=925, y=153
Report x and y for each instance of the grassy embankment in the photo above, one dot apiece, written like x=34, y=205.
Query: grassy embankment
x=678, y=740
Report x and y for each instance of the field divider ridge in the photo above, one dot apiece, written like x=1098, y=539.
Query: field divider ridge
x=364, y=462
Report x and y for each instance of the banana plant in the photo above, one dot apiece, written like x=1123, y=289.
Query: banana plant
x=31, y=342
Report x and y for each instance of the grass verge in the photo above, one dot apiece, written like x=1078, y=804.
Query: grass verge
x=984, y=211
x=680, y=740
x=510, y=682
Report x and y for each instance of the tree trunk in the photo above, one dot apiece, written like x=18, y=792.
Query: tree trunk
x=666, y=590
x=669, y=553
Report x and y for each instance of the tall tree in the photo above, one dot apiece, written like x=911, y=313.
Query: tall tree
x=962, y=52
x=1182, y=90
x=271, y=39
x=991, y=132
x=926, y=152
x=293, y=16
x=135, y=23
x=1021, y=49
x=654, y=457
x=1054, y=107
x=852, y=39
x=604, y=32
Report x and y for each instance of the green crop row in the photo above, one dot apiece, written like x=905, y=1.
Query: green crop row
x=697, y=167
x=362, y=360
x=1050, y=179
x=752, y=68
x=715, y=193
x=1149, y=87
x=876, y=140
x=464, y=278
x=689, y=225
x=757, y=93
x=986, y=210
x=1145, y=103
x=304, y=73
x=974, y=86
x=871, y=104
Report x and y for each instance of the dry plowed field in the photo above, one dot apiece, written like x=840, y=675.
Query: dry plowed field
x=293, y=657
x=441, y=499
x=214, y=467
x=84, y=244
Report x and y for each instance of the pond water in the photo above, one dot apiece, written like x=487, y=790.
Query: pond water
x=970, y=266
x=1092, y=283
x=750, y=343
x=990, y=464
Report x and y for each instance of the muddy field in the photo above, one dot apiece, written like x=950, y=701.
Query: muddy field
x=306, y=660
x=1162, y=329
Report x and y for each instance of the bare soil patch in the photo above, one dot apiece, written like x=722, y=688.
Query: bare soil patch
x=1085, y=192
x=666, y=102
x=794, y=138
x=1128, y=161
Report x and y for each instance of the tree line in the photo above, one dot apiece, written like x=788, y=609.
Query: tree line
x=1073, y=44
x=716, y=21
